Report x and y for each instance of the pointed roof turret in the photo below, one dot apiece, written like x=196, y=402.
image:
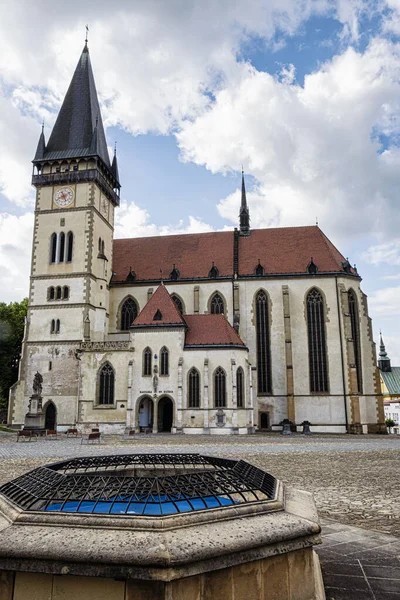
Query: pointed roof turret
x=244, y=215
x=41, y=147
x=114, y=166
x=78, y=130
x=384, y=360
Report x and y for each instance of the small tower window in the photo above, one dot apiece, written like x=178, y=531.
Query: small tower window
x=53, y=248
x=58, y=294
x=147, y=362
x=51, y=293
x=194, y=388
x=219, y=388
x=240, y=387
x=217, y=306
x=53, y=326
x=58, y=326
x=164, y=356
x=61, y=248
x=70, y=244
x=65, y=292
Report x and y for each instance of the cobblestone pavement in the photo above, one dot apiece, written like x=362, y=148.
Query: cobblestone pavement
x=355, y=480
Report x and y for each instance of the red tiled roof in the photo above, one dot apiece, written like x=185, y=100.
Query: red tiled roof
x=162, y=303
x=205, y=330
x=280, y=250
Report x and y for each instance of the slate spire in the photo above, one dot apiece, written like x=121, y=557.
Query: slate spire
x=114, y=166
x=384, y=360
x=79, y=130
x=41, y=147
x=244, y=215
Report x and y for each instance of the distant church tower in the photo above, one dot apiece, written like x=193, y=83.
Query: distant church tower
x=77, y=190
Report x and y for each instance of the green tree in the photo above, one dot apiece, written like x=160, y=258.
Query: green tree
x=390, y=423
x=12, y=318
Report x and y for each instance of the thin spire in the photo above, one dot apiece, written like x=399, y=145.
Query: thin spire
x=87, y=34
x=244, y=215
x=382, y=349
x=41, y=147
x=114, y=166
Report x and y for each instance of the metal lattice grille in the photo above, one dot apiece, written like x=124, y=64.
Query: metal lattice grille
x=355, y=334
x=106, y=388
x=147, y=485
x=219, y=388
x=129, y=313
x=264, y=378
x=194, y=388
x=318, y=364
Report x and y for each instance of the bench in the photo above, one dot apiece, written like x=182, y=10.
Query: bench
x=51, y=434
x=26, y=434
x=91, y=437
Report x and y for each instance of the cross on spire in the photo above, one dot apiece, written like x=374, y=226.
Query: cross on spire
x=87, y=32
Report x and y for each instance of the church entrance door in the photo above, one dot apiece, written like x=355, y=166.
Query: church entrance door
x=165, y=414
x=146, y=412
x=50, y=417
x=264, y=420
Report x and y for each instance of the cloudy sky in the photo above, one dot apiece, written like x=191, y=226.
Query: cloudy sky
x=304, y=93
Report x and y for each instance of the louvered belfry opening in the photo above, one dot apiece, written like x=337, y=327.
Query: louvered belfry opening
x=355, y=334
x=194, y=388
x=106, y=388
x=264, y=378
x=317, y=357
x=129, y=313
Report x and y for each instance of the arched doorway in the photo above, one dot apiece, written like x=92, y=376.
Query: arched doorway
x=50, y=417
x=165, y=414
x=145, y=413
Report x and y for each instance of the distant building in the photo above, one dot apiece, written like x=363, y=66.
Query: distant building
x=222, y=332
x=390, y=381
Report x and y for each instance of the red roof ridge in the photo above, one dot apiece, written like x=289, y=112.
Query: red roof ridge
x=218, y=333
x=159, y=304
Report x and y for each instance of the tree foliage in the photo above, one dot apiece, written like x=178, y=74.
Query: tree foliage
x=12, y=319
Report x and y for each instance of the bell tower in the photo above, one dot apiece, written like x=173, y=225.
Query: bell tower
x=77, y=191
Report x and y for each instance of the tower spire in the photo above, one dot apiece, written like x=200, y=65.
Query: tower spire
x=244, y=215
x=41, y=147
x=384, y=360
x=114, y=166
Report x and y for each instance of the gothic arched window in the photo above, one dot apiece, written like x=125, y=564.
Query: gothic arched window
x=53, y=248
x=58, y=293
x=61, y=247
x=70, y=244
x=355, y=334
x=264, y=379
x=106, y=384
x=129, y=312
x=317, y=357
x=178, y=303
x=147, y=362
x=193, y=388
x=51, y=293
x=164, y=361
x=217, y=306
x=219, y=388
x=240, y=387
x=65, y=292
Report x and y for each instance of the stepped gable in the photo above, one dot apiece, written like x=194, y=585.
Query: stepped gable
x=192, y=254
x=159, y=311
x=210, y=330
x=283, y=250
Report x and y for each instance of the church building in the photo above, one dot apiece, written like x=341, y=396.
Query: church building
x=222, y=333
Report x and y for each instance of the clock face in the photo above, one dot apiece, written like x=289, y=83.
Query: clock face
x=64, y=196
x=103, y=206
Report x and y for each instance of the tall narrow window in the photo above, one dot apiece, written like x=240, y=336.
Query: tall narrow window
x=129, y=313
x=70, y=244
x=147, y=362
x=106, y=385
x=264, y=379
x=58, y=326
x=51, y=293
x=317, y=357
x=65, y=292
x=53, y=326
x=217, y=305
x=53, y=248
x=194, y=388
x=240, y=387
x=178, y=303
x=219, y=388
x=355, y=334
x=61, y=247
x=58, y=293
x=164, y=359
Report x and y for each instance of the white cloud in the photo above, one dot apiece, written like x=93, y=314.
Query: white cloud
x=385, y=302
x=15, y=253
x=384, y=253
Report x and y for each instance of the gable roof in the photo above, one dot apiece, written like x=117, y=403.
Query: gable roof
x=284, y=250
x=78, y=130
x=161, y=306
x=210, y=330
x=391, y=380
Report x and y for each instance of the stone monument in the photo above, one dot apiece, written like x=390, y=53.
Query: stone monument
x=34, y=416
